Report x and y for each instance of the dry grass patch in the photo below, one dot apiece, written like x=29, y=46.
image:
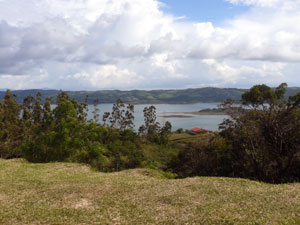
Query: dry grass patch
x=65, y=193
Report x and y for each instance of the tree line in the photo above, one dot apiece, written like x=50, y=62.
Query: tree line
x=41, y=133
x=260, y=140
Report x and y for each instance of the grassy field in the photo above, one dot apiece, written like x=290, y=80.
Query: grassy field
x=65, y=193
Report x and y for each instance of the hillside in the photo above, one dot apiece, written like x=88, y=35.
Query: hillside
x=196, y=95
x=140, y=97
x=65, y=193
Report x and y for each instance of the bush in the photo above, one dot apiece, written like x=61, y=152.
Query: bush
x=179, y=131
x=210, y=156
x=124, y=155
x=264, y=134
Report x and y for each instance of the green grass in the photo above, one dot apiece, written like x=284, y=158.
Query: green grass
x=175, y=136
x=158, y=156
x=65, y=193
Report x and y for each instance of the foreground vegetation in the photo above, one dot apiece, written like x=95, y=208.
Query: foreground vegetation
x=260, y=140
x=67, y=193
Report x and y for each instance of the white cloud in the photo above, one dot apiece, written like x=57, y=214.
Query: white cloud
x=89, y=44
x=24, y=81
x=105, y=76
x=228, y=73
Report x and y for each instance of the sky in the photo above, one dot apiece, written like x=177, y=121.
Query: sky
x=148, y=44
x=214, y=11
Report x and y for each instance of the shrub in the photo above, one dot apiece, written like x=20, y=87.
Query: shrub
x=210, y=156
x=264, y=134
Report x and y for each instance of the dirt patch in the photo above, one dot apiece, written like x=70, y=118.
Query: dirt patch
x=82, y=204
x=3, y=197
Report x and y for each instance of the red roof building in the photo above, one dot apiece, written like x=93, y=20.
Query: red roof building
x=197, y=130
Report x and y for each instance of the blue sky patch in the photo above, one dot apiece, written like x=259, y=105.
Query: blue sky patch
x=215, y=11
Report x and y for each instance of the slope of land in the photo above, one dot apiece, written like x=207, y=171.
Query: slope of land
x=143, y=97
x=65, y=193
x=195, y=95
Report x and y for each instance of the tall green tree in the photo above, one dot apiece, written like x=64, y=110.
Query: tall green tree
x=11, y=127
x=151, y=127
x=63, y=133
x=121, y=116
x=265, y=134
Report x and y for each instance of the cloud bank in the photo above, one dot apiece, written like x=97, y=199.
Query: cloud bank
x=133, y=44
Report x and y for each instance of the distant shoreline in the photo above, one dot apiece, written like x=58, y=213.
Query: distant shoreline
x=208, y=113
x=176, y=116
x=191, y=114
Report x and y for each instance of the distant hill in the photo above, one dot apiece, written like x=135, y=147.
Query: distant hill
x=195, y=95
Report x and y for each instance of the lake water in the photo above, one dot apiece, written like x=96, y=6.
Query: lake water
x=209, y=122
